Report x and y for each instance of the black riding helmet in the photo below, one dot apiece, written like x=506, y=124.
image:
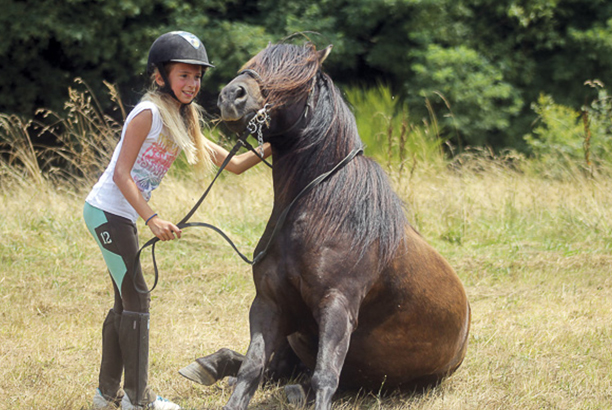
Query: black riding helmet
x=176, y=47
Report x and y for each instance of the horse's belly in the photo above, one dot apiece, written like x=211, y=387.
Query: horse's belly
x=392, y=365
x=384, y=359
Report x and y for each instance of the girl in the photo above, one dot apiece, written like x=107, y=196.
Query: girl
x=163, y=124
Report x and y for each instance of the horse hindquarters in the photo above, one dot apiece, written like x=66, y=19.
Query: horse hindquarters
x=413, y=324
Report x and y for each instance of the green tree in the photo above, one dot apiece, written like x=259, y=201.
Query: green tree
x=479, y=63
x=47, y=43
x=488, y=59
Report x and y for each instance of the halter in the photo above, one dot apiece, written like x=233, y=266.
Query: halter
x=252, y=73
x=255, y=126
x=262, y=117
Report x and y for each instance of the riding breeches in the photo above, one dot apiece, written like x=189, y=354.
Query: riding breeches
x=117, y=238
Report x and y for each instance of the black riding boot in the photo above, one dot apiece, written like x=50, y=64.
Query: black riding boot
x=212, y=368
x=134, y=340
x=111, y=367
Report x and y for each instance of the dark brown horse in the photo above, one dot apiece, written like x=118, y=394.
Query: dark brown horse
x=344, y=281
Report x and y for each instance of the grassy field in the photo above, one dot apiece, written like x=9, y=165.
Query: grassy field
x=534, y=254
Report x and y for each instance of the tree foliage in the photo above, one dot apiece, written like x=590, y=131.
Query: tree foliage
x=480, y=64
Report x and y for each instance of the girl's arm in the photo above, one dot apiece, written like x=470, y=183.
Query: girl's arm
x=135, y=134
x=239, y=163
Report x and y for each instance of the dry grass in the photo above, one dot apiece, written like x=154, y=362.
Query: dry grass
x=533, y=253
x=84, y=138
x=533, y=249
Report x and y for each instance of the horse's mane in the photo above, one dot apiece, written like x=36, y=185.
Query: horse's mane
x=286, y=72
x=357, y=202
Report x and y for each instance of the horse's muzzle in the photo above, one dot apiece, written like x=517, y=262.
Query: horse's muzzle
x=239, y=101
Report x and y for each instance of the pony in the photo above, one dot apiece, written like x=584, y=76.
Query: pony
x=345, y=286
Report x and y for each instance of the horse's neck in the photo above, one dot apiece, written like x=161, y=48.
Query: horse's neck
x=296, y=168
x=306, y=154
x=292, y=172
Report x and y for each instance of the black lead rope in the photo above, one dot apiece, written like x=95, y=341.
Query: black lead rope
x=307, y=188
x=185, y=224
x=259, y=154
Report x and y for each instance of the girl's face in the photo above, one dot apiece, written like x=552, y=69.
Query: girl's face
x=185, y=81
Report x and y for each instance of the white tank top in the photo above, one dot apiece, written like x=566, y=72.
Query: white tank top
x=156, y=155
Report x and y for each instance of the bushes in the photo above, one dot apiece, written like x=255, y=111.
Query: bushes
x=563, y=142
x=85, y=137
x=564, y=139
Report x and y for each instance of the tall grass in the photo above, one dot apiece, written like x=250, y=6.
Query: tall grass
x=534, y=253
x=19, y=157
x=81, y=140
x=390, y=134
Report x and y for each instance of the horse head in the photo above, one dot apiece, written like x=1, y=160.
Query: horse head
x=273, y=88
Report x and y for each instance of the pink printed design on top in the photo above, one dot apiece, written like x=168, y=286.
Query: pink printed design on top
x=153, y=164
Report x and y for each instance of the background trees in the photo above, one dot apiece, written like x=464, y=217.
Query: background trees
x=480, y=64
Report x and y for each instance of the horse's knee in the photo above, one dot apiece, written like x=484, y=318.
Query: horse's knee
x=229, y=355
x=324, y=380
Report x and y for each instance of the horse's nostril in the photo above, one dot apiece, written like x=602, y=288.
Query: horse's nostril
x=240, y=93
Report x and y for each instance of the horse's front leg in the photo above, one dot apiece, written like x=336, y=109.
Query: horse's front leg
x=336, y=324
x=266, y=337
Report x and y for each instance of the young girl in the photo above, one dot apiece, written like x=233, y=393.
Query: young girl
x=163, y=124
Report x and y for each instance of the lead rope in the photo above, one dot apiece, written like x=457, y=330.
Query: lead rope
x=307, y=188
x=184, y=224
x=279, y=223
x=255, y=127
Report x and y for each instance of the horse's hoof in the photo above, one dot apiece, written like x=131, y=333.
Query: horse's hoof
x=196, y=373
x=295, y=394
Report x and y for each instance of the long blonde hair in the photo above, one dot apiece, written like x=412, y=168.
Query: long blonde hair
x=184, y=126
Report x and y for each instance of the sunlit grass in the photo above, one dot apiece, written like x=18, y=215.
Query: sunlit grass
x=534, y=256
x=533, y=252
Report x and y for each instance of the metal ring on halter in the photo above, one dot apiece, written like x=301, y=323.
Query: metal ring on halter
x=256, y=124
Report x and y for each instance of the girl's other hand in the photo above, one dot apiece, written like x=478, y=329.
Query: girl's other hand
x=164, y=230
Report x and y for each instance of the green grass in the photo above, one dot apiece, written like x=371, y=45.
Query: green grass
x=534, y=255
x=532, y=247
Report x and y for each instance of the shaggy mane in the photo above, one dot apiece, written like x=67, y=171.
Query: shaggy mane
x=358, y=201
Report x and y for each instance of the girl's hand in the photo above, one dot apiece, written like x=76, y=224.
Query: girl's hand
x=163, y=229
x=239, y=163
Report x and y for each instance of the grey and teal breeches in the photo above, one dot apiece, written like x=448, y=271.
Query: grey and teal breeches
x=117, y=238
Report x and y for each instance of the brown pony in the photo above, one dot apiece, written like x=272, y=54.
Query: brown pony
x=342, y=280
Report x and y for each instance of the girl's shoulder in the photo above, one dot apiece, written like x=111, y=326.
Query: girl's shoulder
x=144, y=106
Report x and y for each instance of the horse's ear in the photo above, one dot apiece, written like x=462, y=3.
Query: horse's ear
x=324, y=53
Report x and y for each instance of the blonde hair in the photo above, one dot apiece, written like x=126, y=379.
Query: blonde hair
x=184, y=126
